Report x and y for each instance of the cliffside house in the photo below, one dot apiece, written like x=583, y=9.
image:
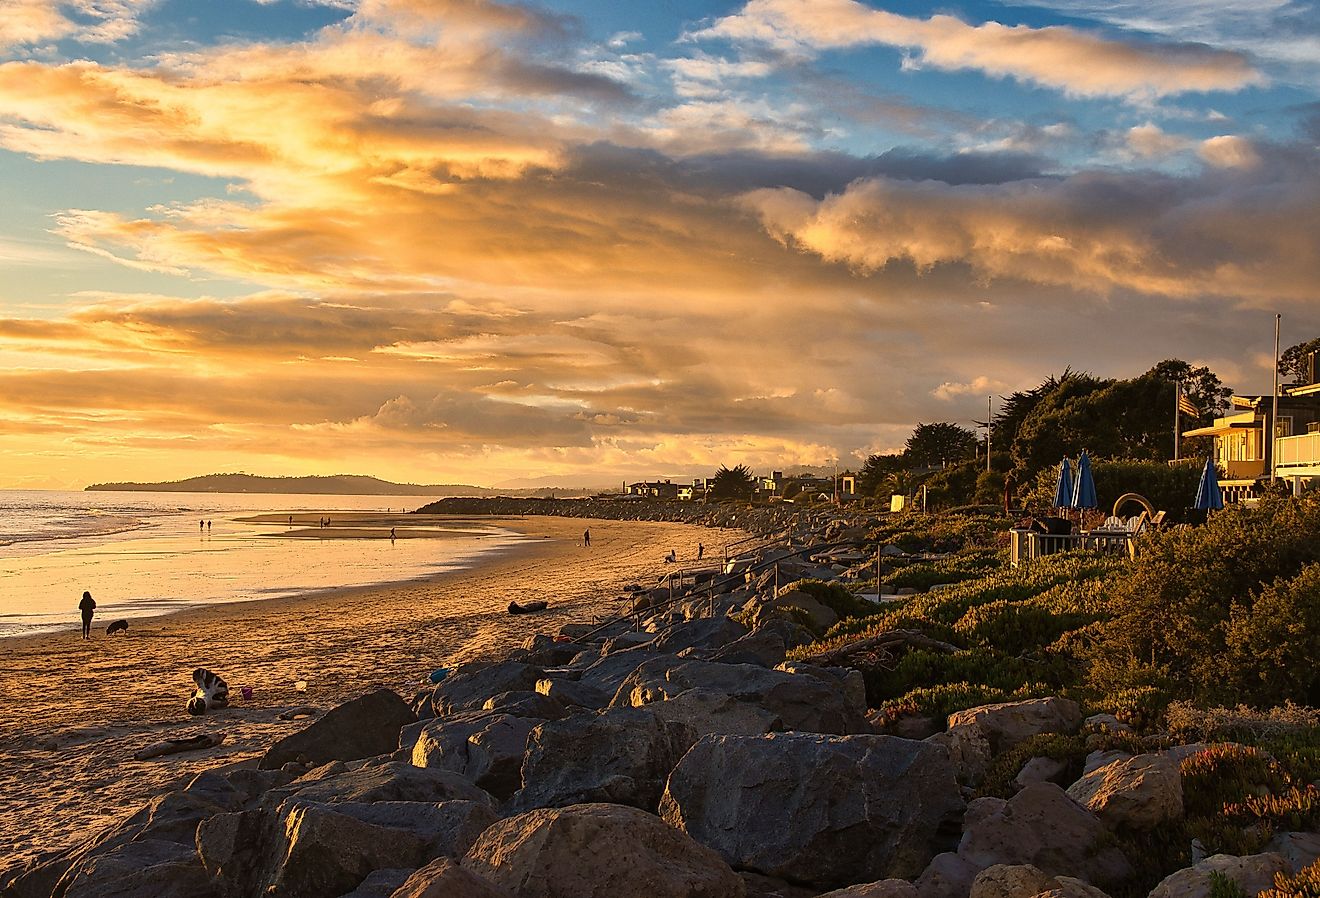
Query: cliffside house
x=1247, y=458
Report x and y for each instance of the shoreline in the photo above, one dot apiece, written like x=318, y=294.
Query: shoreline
x=98, y=701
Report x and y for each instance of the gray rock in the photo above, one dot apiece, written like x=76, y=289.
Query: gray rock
x=150, y=868
x=1299, y=850
x=1252, y=873
x=620, y=756
x=1009, y=723
x=703, y=633
x=708, y=712
x=526, y=704
x=598, y=851
x=485, y=747
x=380, y=883
x=574, y=693
x=469, y=687
x=443, y=878
x=885, y=888
x=361, y=728
x=1040, y=825
x=608, y=672
x=822, y=810
x=1040, y=770
x=308, y=849
x=394, y=781
x=1137, y=793
x=810, y=703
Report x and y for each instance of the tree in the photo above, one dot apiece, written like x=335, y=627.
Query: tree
x=1293, y=362
x=877, y=469
x=1014, y=408
x=1201, y=385
x=732, y=483
x=938, y=444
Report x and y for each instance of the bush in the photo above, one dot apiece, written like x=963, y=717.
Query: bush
x=1223, y=775
x=998, y=782
x=942, y=700
x=834, y=596
x=1274, y=640
x=1172, y=608
x=1306, y=884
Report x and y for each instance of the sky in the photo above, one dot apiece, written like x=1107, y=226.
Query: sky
x=584, y=241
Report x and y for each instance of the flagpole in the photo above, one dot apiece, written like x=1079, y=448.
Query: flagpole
x=1274, y=413
x=1177, y=409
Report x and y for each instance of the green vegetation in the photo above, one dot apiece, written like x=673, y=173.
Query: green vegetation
x=732, y=483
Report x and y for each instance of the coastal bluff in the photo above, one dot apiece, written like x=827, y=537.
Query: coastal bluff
x=694, y=748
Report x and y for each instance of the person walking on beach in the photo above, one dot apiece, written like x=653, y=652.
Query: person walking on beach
x=201, y=525
x=88, y=607
x=391, y=534
x=586, y=538
x=701, y=550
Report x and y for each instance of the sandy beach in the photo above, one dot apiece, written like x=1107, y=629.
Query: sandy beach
x=72, y=713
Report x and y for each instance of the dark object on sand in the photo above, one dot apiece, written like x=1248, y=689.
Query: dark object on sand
x=119, y=626
x=300, y=711
x=526, y=608
x=174, y=746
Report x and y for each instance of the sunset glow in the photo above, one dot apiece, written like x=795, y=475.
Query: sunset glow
x=582, y=241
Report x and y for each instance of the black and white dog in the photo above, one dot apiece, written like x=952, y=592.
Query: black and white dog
x=212, y=692
x=119, y=626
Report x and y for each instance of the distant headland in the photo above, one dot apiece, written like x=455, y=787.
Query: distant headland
x=336, y=484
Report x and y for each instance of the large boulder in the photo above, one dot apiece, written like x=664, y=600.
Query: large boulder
x=381, y=883
x=610, y=671
x=1040, y=825
x=361, y=728
x=620, y=756
x=1252, y=874
x=598, y=851
x=885, y=888
x=526, y=704
x=1011, y=881
x=144, y=869
x=574, y=694
x=468, y=688
x=807, y=702
x=702, y=633
x=443, y=878
x=1007, y=724
x=169, y=819
x=487, y=748
x=392, y=781
x=708, y=712
x=822, y=810
x=308, y=849
x=1135, y=793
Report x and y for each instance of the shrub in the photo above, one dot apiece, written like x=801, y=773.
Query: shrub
x=999, y=777
x=942, y=700
x=1224, y=775
x=834, y=596
x=1306, y=884
x=1223, y=887
x=1273, y=639
x=1171, y=608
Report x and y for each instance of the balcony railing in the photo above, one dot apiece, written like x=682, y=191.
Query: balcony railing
x=1297, y=452
x=1028, y=545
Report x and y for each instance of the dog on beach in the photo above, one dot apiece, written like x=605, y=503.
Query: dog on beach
x=119, y=626
x=212, y=692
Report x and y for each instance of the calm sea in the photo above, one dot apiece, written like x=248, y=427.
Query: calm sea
x=144, y=554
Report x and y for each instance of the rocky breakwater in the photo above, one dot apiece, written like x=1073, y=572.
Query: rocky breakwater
x=756, y=519
x=674, y=754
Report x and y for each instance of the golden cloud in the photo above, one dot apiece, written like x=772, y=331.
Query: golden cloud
x=1059, y=57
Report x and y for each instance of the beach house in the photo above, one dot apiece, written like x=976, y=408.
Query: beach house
x=1249, y=460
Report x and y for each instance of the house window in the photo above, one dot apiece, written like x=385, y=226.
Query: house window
x=1284, y=426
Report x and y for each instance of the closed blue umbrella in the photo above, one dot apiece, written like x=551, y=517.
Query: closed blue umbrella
x=1063, y=489
x=1084, y=487
x=1208, y=495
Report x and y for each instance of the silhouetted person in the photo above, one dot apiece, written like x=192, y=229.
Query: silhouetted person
x=701, y=550
x=88, y=607
x=208, y=526
x=391, y=534
x=201, y=525
x=586, y=538
x=671, y=557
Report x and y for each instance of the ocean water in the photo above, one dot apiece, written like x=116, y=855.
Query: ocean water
x=144, y=554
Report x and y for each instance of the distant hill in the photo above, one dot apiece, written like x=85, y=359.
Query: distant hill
x=336, y=484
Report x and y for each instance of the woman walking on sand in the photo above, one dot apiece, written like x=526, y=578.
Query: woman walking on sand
x=88, y=607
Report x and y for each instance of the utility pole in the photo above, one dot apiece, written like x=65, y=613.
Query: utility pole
x=988, y=417
x=1274, y=413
